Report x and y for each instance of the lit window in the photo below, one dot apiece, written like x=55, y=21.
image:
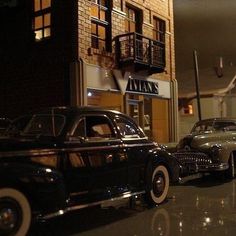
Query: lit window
x=188, y=109
x=42, y=19
x=100, y=25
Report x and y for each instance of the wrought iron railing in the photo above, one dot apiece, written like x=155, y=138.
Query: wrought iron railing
x=134, y=47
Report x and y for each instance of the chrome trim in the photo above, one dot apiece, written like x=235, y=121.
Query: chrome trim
x=29, y=152
x=213, y=167
x=139, y=145
x=36, y=152
x=77, y=207
x=94, y=148
x=79, y=193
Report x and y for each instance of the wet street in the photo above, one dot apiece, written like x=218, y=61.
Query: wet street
x=202, y=206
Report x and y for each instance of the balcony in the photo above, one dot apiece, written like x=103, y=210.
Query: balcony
x=136, y=52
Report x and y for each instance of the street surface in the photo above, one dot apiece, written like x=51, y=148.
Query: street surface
x=203, y=206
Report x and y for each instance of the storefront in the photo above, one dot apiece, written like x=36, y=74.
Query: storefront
x=145, y=99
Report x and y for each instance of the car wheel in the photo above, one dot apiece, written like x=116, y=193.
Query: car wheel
x=157, y=185
x=230, y=172
x=15, y=212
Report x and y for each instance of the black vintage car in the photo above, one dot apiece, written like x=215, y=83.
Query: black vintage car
x=4, y=124
x=70, y=158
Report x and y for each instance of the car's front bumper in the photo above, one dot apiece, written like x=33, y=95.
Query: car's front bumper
x=193, y=163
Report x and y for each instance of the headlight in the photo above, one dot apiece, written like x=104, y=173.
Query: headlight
x=215, y=150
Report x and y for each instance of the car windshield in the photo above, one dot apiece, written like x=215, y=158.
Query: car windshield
x=213, y=126
x=44, y=125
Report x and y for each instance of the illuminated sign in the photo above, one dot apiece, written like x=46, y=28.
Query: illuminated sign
x=143, y=86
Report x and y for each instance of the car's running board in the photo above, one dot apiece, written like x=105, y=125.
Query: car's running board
x=77, y=207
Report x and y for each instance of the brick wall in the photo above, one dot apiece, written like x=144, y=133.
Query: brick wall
x=35, y=75
x=162, y=9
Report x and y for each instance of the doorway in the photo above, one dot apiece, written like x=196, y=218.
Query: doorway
x=139, y=108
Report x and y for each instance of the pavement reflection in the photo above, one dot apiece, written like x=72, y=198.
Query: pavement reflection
x=204, y=206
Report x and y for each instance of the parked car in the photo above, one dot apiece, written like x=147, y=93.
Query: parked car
x=17, y=125
x=210, y=147
x=70, y=158
x=4, y=124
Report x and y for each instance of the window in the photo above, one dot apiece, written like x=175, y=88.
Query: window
x=188, y=109
x=42, y=19
x=128, y=129
x=100, y=25
x=94, y=127
x=44, y=125
x=159, y=30
x=130, y=21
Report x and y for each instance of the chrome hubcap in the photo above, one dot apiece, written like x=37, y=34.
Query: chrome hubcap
x=7, y=219
x=158, y=184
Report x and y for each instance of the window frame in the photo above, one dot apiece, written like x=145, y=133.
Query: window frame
x=88, y=138
x=159, y=29
x=139, y=134
x=106, y=24
x=138, y=18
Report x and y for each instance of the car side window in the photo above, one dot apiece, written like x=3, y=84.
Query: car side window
x=127, y=128
x=94, y=127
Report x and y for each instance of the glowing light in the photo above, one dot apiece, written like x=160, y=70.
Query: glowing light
x=90, y=94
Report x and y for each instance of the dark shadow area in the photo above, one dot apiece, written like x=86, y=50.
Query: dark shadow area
x=205, y=180
x=82, y=220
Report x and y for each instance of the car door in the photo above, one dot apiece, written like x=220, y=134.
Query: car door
x=98, y=158
x=137, y=148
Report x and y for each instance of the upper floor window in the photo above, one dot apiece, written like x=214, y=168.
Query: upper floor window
x=42, y=19
x=159, y=29
x=130, y=21
x=133, y=20
x=100, y=24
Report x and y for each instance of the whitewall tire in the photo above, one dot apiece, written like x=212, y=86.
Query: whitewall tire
x=158, y=185
x=15, y=212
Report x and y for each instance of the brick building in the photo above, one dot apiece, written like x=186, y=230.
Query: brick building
x=116, y=54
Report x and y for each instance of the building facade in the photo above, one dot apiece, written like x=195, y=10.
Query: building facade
x=116, y=54
x=126, y=51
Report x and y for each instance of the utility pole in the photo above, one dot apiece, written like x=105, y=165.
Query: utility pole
x=197, y=84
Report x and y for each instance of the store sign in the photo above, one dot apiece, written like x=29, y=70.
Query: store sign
x=143, y=86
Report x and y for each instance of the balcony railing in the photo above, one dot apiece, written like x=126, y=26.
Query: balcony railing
x=141, y=53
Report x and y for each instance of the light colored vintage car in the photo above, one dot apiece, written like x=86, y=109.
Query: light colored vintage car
x=210, y=147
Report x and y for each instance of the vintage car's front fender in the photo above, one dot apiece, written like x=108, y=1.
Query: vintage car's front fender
x=222, y=149
x=160, y=156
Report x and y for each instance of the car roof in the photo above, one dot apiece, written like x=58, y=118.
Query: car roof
x=73, y=110
x=217, y=119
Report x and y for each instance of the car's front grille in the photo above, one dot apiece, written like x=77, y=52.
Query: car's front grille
x=193, y=157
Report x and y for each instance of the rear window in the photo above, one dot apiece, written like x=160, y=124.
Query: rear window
x=45, y=125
